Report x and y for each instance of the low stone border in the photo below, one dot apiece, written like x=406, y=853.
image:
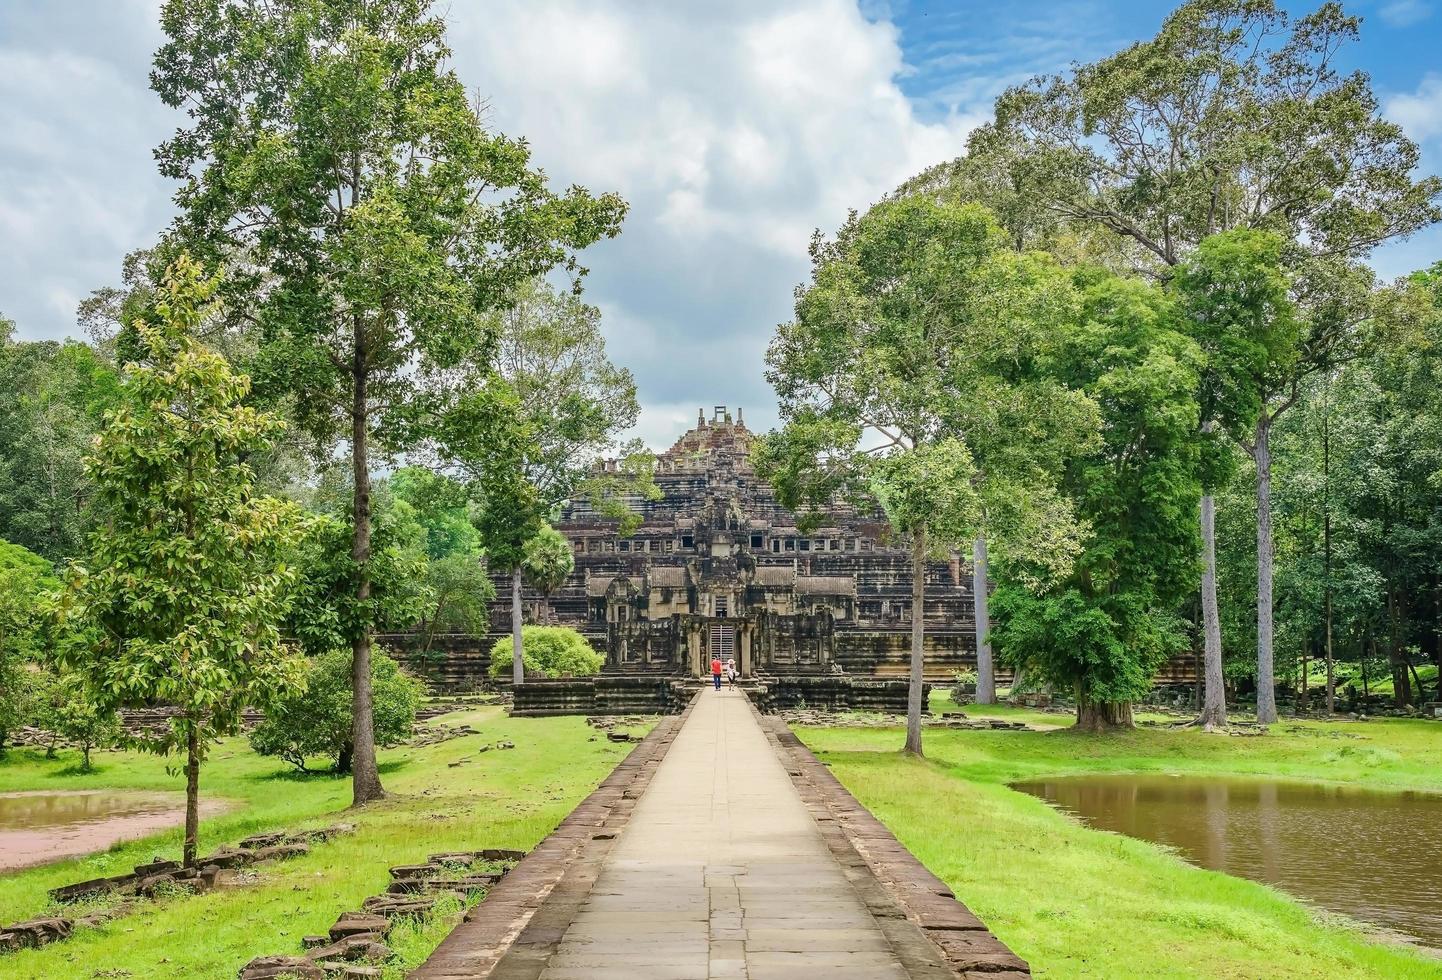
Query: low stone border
x=147, y=879
x=820, y=718
x=356, y=943
x=513, y=932
x=858, y=838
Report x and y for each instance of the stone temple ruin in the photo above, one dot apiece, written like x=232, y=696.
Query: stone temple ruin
x=717, y=568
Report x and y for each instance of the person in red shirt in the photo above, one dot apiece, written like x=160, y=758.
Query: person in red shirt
x=716, y=672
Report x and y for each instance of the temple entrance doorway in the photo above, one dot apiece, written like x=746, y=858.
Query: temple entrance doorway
x=723, y=635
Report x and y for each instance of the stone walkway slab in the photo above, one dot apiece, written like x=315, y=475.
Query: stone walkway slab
x=722, y=872
x=731, y=859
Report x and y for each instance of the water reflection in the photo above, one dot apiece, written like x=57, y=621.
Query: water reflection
x=1373, y=855
x=39, y=827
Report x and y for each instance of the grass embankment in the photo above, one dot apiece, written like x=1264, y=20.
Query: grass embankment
x=1081, y=903
x=501, y=798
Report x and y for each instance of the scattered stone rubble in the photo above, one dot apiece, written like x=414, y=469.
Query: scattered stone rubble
x=355, y=945
x=853, y=719
x=607, y=725
x=148, y=880
x=436, y=734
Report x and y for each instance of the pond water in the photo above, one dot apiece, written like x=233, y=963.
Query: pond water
x=36, y=827
x=1375, y=856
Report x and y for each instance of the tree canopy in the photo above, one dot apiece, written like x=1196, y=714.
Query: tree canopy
x=181, y=596
x=381, y=223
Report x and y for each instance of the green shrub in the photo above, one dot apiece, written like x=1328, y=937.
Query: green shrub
x=316, y=720
x=548, y=651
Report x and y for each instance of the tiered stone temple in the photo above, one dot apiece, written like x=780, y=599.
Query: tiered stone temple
x=717, y=568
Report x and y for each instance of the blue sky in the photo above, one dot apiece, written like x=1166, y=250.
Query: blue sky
x=734, y=129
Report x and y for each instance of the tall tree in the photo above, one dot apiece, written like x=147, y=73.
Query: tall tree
x=897, y=364
x=1233, y=116
x=180, y=599
x=533, y=432
x=334, y=149
x=1103, y=630
x=1237, y=299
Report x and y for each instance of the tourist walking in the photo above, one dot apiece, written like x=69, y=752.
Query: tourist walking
x=716, y=671
x=731, y=672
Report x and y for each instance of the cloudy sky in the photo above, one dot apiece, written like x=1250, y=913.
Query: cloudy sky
x=733, y=128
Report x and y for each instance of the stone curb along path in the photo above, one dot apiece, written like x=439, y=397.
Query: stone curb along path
x=746, y=860
x=874, y=858
x=508, y=920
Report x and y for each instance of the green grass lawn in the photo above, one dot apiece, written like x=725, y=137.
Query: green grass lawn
x=502, y=798
x=1081, y=903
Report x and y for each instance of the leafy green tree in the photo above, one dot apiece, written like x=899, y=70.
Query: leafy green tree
x=442, y=506
x=547, y=562
x=901, y=371
x=326, y=613
x=182, y=594
x=315, y=718
x=67, y=710
x=1236, y=297
x=52, y=397
x=333, y=147
x=456, y=570
x=1103, y=630
x=549, y=651
x=25, y=579
x=461, y=594
x=1233, y=116
x=535, y=427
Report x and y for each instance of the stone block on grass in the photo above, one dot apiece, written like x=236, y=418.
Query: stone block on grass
x=269, y=967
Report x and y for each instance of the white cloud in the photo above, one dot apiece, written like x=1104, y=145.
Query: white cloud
x=733, y=130
x=79, y=183
x=1405, y=13
x=1419, y=113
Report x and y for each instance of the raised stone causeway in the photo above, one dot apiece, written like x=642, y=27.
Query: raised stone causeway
x=873, y=856
x=509, y=920
x=721, y=848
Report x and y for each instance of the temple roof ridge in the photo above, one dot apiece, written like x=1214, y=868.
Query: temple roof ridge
x=721, y=432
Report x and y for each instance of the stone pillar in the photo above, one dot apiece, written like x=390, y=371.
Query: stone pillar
x=743, y=640
x=693, y=650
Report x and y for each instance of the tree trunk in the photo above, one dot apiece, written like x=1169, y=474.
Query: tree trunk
x=366, y=779
x=985, y=669
x=192, y=792
x=518, y=664
x=918, y=610
x=1302, y=705
x=1214, y=706
x=1327, y=548
x=1266, y=681
x=1102, y=716
x=1396, y=657
x=1419, y=690
x=1366, y=684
